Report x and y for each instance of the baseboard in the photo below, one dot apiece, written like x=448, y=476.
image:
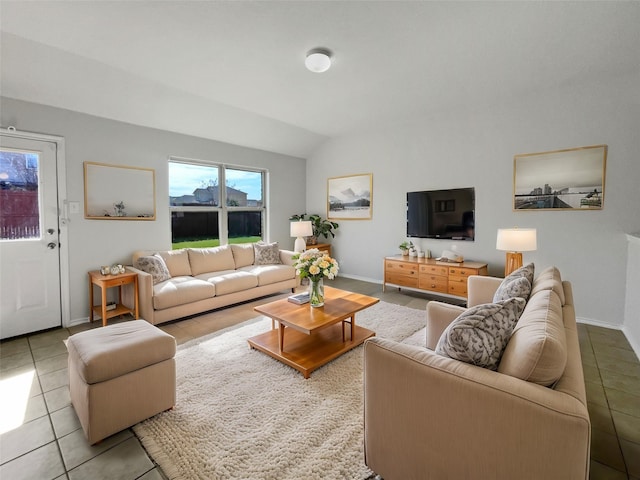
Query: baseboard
x=632, y=341
x=597, y=323
x=77, y=321
x=363, y=279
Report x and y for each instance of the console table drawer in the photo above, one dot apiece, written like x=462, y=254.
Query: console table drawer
x=434, y=283
x=434, y=270
x=398, y=267
x=399, y=279
x=462, y=272
x=458, y=286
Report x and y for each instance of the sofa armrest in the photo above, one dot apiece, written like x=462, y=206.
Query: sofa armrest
x=286, y=257
x=145, y=295
x=428, y=416
x=439, y=316
x=481, y=289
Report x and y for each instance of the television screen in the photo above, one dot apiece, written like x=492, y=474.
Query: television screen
x=447, y=214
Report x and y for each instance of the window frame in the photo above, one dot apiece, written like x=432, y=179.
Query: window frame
x=223, y=209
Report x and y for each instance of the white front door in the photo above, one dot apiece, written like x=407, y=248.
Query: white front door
x=29, y=237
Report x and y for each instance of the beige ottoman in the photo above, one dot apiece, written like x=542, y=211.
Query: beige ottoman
x=120, y=375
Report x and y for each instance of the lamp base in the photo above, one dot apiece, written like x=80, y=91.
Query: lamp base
x=300, y=245
x=514, y=262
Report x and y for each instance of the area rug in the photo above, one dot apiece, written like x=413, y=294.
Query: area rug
x=240, y=414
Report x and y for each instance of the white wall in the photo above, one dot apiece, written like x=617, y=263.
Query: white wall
x=476, y=148
x=94, y=242
x=632, y=304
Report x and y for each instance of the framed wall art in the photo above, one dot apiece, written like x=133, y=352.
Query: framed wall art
x=119, y=192
x=350, y=197
x=570, y=179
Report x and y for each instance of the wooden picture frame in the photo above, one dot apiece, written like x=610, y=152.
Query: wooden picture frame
x=570, y=179
x=119, y=192
x=350, y=197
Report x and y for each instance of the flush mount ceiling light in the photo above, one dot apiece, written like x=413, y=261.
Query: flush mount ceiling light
x=318, y=60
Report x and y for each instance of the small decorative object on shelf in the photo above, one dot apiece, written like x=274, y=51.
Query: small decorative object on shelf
x=315, y=265
x=105, y=270
x=405, y=247
x=117, y=269
x=119, y=209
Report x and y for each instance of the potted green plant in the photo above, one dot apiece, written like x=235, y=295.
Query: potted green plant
x=321, y=227
x=405, y=247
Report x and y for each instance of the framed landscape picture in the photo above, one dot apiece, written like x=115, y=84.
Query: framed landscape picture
x=350, y=197
x=571, y=179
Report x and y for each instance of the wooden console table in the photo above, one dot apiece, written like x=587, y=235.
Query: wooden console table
x=430, y=275
x=105, y=282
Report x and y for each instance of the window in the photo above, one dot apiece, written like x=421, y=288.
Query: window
x=205, y=215
x=19, y=195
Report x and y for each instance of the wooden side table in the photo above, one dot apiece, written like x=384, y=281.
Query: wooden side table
x=107, y=281
x=323, y=247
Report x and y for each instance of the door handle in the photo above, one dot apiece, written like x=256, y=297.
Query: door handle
x=51, y=245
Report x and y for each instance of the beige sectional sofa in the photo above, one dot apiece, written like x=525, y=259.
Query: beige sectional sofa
x=428, y=416
x=202, y=279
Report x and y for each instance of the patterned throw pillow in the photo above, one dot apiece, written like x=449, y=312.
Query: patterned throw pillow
x=516, y=284
x=480, y=335
x=266, y=253
x=155, y=266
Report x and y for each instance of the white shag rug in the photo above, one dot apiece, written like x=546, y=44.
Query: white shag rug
x=241, y=414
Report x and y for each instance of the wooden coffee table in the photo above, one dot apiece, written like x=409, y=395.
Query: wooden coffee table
x=314, y=336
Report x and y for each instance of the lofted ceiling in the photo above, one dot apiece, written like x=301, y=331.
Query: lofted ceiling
x=234, y=70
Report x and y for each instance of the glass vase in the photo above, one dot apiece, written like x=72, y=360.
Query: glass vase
x=316, y=292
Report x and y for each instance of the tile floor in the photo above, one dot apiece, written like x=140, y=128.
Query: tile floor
x=46, y=441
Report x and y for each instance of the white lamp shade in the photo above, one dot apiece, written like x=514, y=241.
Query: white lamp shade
x=301, y=229
x=318, y=62
x=516, y=239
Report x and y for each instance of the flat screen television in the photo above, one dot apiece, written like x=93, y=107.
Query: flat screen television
x=446, y=214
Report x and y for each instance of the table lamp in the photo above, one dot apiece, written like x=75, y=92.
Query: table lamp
x=514, y=241
x=299, y=230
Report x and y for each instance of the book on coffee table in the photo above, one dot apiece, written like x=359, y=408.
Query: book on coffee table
x=299, y=298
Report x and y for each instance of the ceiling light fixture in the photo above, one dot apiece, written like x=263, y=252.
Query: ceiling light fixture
x=318, y=60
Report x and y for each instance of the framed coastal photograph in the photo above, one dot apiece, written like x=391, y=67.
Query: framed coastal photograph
x=119, y=192
x=570, y=179
x=350, y=197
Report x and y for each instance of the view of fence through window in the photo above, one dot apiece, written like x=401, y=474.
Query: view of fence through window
x=198, y=204
x=19, y=203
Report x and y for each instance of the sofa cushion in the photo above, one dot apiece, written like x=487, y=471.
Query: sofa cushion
x=230, y=281
x=268, y=274
x=215, y=259
x=153, y=265
x=181, y=290
x=242, y=254
x=479, y=335
x=537, y=350
x=267, y=253
x=549, y=279
x=177, y=262
x=516, y=284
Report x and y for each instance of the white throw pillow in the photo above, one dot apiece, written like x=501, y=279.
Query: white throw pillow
x=479, y=335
